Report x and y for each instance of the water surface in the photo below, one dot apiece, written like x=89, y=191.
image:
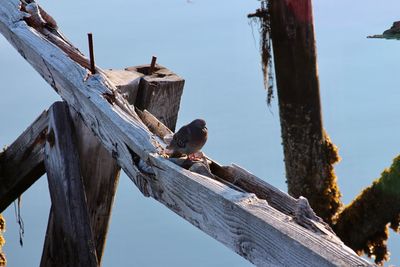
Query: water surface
x=212, y=45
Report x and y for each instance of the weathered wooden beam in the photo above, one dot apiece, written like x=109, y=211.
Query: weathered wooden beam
x=100, y=174
x=237, y=177
x=233, y=174
x=242, y=221
x=21, y=164
x=69, y=240
x=160, y=93
x=94, y=97
x=309, y=153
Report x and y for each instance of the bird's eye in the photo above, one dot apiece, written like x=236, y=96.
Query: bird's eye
x=180, y=143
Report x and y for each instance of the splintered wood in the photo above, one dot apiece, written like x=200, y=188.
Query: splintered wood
x=69, y=209
x=230, y=208
x=21, y=164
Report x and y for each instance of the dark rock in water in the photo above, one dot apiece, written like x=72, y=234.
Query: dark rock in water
x=395, y=29
x=392, y=33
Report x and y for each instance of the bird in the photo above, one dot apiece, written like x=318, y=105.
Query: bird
x=189, y=139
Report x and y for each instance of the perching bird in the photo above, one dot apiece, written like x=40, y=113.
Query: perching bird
x=189, y=139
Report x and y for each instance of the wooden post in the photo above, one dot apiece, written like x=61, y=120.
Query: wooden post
x=69, y=240
x=160, y=93
x=239, y=219
x=100, y=173
x=127, y=82
x=309, y=154
x=22, y=163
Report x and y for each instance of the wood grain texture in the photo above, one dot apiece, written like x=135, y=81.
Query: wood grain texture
x=127, y=82
x=160, y=93
x=241, y=221
x=100, y=173
x=154, y=125
x=94, y=97
x=69, y=222
x=245, y=223
x=309, y=153
x=21, y=164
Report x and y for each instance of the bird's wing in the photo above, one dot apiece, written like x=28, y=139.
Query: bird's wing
x=182, y=137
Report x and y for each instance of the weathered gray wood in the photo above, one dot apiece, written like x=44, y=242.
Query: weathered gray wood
x=296, y=210
x=154, y=125
x=160, y=93
x=245, y=223
x=242, y=221
x=233, y=174
x=21, y=164
x=94, y=97
x=100, y=173
x=251, y=183
x=127, y=82
x=69, y=222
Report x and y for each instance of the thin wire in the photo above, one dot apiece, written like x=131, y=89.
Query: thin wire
x=20, y=221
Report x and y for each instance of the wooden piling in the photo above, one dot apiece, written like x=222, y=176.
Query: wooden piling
x=309, y=154
x=160, y=93
x=100, y=173
x=69, y=240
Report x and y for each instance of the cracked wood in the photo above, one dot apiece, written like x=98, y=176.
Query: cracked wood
x=71, y=242
x=241, y=221
x=21, y=164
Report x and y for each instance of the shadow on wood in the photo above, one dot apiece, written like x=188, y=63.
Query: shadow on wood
x=21, y=164
x=69, y=240
x=242, y=221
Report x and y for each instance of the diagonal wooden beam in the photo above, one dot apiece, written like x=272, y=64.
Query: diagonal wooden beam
x=240, y=220
x=69, y=240
x=21, y=164
x=100, y=173
x=94, y=97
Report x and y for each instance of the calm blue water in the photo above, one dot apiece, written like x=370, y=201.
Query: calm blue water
x=211, y=45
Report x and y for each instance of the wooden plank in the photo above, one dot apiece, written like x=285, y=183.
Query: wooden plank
x=21, y=164
x=160, y=93
x=154, y=125
x=69, y=219
x=233, y=174
x=239, y=220
x=245, y=223
x=100, y=173
x=94, y=97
